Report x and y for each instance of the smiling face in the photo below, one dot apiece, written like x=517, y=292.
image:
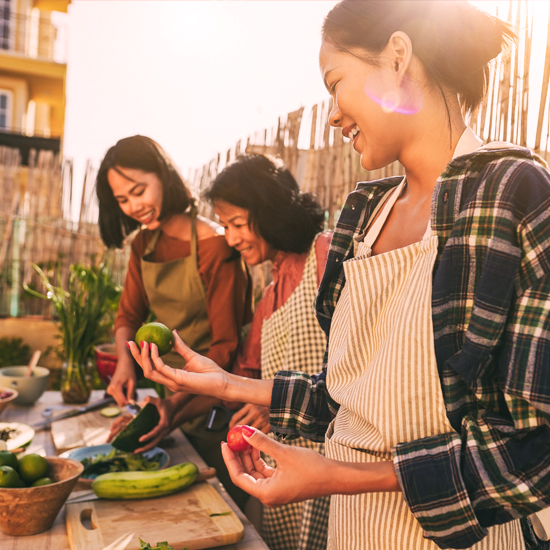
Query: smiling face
x=138, y=193
x=238, y=234
x=369, y=123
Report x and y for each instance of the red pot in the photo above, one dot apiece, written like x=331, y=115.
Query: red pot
x=106, y=359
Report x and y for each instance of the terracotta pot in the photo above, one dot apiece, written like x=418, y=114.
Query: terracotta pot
x=33, y=510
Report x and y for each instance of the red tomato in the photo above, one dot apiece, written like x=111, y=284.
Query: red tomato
x=235, y=439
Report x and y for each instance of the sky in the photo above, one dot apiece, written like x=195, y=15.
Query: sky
x=196, y=76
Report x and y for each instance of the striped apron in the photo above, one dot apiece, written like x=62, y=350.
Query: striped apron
x=383, y=372
x=293, y=340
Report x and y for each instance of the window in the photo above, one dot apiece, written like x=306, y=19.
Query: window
x=6, y=102
x=5, y=24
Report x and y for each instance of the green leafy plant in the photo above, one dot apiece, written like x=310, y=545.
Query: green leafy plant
x=85, y=312
x=13, y=352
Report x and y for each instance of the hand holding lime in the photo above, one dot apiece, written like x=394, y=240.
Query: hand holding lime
x=156, y=333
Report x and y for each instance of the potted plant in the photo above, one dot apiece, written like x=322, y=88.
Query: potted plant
x=85, y=314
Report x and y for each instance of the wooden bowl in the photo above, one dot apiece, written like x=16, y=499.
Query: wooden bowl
x=5, y=400
x=34, y=509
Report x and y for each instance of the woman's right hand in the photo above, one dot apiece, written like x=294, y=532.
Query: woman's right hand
x=201, y=375
x=123, y=383
x=300, y=474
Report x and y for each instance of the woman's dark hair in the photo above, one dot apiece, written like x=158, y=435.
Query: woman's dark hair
x=138, y=153
x=454, y=40
x=284, y=217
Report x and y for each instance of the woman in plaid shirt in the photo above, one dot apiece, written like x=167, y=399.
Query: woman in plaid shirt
x=434, y=399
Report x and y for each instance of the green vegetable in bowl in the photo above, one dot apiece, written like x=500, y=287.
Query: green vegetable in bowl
x=119, y=461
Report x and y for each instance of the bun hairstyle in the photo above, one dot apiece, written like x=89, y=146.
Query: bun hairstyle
x=138, y=153
x=284, y=217
x=454, y=40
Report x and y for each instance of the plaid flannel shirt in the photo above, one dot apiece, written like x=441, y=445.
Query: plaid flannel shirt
x=491, y=318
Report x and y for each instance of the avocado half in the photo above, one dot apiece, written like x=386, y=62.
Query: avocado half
x=144, y=421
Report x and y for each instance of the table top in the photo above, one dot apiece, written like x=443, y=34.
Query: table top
x=56, y=537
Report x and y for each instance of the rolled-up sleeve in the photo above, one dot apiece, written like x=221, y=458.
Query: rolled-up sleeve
x=301, y=405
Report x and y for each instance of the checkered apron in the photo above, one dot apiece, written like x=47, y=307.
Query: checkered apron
x=382, y=370
x=293, y=340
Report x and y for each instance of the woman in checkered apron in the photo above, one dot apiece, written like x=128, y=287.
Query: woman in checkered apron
x=265, y=217
x=434, y=400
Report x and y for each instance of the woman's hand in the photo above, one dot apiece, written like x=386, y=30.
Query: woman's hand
x=123, y=383
x=118, y=425
x=300, y=474
x=252, y=415
x=167, y=411
x=201, y=375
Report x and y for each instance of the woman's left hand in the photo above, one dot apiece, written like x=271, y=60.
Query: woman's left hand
x=300, y=474
x=118, y=425
x=166, y=411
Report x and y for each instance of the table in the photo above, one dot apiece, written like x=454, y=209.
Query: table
x=56, y=537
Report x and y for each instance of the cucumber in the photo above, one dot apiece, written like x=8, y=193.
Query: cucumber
x=131, y=485
x=128, y=439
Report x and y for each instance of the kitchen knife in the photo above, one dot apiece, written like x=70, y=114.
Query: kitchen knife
x=75, y=412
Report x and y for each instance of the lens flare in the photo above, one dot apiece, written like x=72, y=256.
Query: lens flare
x=381, y=88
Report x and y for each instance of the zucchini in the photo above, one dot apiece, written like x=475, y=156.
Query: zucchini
x=130, y=485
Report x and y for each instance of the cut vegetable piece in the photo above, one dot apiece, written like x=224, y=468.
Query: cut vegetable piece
x=110, y=412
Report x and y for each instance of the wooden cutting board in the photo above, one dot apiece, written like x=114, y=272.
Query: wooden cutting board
x=81, y=431
x=183, y=519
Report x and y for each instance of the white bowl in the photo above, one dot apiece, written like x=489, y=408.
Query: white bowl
x=29, y=388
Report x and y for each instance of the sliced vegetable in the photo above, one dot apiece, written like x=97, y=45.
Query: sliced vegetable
x=110, y=412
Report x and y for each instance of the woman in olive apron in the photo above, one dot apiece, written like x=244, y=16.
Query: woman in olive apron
x=182, y=271
x=178, y=299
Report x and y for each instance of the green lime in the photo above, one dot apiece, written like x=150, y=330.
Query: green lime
x=7, y=458
x=9, y=477
x=156, y=333
x=33, y=467
x=43, y=481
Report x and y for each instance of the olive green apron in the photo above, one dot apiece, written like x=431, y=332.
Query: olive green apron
x=177, y=297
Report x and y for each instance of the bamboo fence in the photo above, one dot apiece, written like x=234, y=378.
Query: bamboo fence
x=36, y=226
x=36, y=202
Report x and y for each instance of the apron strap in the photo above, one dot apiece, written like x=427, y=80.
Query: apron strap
x=152, y=242
x=428, y=232
x=156, y=234
x=194, y=212
x=374, y=231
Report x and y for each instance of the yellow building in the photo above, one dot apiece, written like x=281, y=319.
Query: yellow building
x=33, y=72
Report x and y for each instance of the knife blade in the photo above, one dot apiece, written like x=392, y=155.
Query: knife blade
x=75, y=412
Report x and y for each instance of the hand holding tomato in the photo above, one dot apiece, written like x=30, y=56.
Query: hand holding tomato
x=237, y=443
